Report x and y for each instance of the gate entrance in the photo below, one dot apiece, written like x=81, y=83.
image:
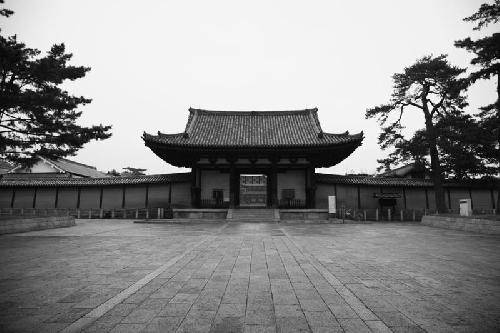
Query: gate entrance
x=253, y=190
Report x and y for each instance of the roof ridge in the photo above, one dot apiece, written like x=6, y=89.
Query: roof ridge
x=252, y=112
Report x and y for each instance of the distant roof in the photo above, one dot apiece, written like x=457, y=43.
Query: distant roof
x=186, y=177
x=245, y=130
x=403, y=171
x=74, y=168
x=5, y=165
x=131, y=180
x=401, y=182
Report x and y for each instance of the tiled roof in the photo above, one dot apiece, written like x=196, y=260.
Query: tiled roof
x=77, y=168
x=372, y=181
x=256, y=129
x=46, y=182
x=5, y=166
x=401, y=182
x=63, y=165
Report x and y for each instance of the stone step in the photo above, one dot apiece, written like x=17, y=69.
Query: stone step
x=253, y=215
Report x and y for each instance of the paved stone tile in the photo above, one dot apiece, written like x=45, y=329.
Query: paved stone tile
x=68, y=316
x=252, y=278
x=259, y=329
x=225, y=324
x=175, y=310
x=292, y=324
x=162, y=324
x=127, y=328
x=140, y=315
x=103, y=324
x=354, y=325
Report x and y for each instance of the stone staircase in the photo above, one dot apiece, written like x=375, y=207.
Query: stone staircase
x=252, y=215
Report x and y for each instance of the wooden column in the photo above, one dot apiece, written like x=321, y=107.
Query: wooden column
x=232, y=185
x=274, y=183
x=13, y=198
x=56, y=200
x=195, y=187
x=310, y=188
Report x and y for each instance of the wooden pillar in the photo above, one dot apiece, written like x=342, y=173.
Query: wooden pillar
x=492, y=195
x=146, y=199
x=78, y=198
x=195, y=187
x=310, y=188
x=34, y=198
x=13, y=197
x=100, y=197
x=426, y=199
x=232, y=185
x=404, y=197
x=470, y=196
x=449, y=198
x=274, y=183
x=169, y=193
x=56, y=200
x=123, y=196
x=359, y=196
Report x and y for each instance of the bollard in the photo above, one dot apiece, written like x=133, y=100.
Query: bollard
x=413, y=215
x=137, y=213
x=376, y=214
x=90, y=213
x=401, y=213
x=101, y=213
x=389, y=215
x=112, y=213
x=22, y=211
x=364, y=215
x=147, y=214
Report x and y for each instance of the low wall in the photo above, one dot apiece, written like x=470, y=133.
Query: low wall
x=304, y=215
x=482, y=226
x=15, y=225
x=209, y=214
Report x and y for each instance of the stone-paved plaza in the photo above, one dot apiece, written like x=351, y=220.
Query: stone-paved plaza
x=119, y=276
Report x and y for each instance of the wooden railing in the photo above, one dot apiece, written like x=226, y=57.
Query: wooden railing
x=291, y=203
x=212, y=203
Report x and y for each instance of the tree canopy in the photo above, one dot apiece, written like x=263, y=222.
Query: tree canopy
x=37, y=115
x=433, y=87
x=486, y=64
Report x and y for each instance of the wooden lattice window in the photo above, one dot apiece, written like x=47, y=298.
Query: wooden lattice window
x=288, y=193
x=218, y=194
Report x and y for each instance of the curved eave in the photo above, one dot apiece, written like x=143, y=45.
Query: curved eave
x=321, y=155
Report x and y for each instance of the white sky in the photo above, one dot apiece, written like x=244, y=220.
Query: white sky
x=151, y=60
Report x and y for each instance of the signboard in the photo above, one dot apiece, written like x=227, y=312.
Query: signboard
x=332, y=206
x=465, y=207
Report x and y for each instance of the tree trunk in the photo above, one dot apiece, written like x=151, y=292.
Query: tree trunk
x=497, y=105
x=437, y=176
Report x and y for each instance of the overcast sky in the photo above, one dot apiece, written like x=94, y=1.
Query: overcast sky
x=152, y=60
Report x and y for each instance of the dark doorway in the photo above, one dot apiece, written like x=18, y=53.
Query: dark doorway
x=253, y=190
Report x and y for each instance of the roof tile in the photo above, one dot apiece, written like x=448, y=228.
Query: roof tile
x=253, y=129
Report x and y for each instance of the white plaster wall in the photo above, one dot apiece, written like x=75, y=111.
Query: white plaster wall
x=214, y=179
x=295, y=179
